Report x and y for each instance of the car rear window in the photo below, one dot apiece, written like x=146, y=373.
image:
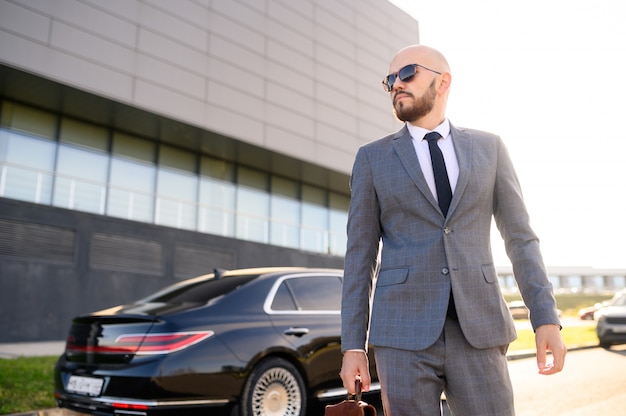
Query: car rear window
x=308, y=293
x=200, y=292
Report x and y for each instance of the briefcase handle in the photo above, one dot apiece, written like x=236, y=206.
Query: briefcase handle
x=357, y=396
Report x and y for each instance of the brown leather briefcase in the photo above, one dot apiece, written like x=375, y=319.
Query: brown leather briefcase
x=352, y=406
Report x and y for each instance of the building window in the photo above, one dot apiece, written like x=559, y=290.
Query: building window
x=80, y=182
x=619, y=282
x=27, y=153
x=61, y=161
x=252, y=205
x=217, y=197
x=177, y=187
x=27, y=167
x=337, y=220
x=574, y=283
x=313, y=236
x=285, y=210
x=29, y=120
x=132, y=179
x=82, y=167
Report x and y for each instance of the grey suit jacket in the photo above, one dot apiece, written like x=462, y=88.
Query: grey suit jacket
x=425, y=255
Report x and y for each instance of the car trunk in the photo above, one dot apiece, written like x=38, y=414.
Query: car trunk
x=111, y=339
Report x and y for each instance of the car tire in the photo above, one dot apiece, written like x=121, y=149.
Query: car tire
x=274, y=388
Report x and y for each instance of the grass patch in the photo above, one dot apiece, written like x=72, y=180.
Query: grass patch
x=26, y=384
x=573, y=336
x=570, y=303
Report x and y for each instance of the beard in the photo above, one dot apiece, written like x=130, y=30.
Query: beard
x=418, y=107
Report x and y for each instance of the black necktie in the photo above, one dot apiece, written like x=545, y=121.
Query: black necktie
x=444, y=191
x=442, y=183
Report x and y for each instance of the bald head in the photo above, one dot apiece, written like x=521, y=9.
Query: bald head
x=421, y=54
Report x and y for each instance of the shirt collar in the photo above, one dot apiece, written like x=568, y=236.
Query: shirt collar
x=418, y=133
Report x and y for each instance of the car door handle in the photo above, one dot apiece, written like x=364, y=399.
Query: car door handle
x=296, y=331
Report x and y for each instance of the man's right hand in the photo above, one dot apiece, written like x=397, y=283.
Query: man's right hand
x=355, y=365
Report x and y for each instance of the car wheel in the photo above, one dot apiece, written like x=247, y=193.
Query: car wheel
x=274, y=388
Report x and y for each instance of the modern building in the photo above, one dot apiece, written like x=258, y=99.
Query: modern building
x=147, y=141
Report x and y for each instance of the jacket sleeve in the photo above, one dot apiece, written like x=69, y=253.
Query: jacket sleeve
x=522, y=244
x=360, y=267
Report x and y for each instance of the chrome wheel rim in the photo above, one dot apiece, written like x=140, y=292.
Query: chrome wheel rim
x=276, y=394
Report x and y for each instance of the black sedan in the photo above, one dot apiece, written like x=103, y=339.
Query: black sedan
x=245, y=342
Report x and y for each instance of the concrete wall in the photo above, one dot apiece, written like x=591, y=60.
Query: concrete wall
x=56, y=263
x=299, y=77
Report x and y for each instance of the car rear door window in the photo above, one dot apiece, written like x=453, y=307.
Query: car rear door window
x=309, y=293
x=283, y=300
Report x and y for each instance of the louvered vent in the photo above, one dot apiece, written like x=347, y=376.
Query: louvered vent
x=191, y=261
x=112, y=252
x=37, y=242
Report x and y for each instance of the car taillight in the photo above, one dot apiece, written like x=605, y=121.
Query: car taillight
x=163, y=343
x=144, y=344
x=129, y=406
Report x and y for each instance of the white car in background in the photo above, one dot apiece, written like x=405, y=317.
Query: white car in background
x=611, y=328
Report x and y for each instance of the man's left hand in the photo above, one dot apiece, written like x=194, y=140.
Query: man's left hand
x=548, y=338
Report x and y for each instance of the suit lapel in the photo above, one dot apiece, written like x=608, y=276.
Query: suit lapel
x=463, y=149
x=403, y=146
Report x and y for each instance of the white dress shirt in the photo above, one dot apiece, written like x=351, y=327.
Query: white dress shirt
x=423, y=154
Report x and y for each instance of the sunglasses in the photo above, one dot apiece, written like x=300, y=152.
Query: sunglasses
x=405, y=74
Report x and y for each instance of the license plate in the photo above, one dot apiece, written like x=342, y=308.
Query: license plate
x=619, y=329
x=85, y=385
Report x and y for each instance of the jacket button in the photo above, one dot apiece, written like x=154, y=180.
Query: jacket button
x=447, y=230
x=445, y=271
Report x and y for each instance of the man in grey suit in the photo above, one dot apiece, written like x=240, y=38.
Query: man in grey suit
x=438, y=319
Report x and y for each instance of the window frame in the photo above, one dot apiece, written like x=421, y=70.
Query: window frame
x=267, y=305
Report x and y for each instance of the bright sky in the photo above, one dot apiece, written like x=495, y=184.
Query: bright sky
x=548, y=76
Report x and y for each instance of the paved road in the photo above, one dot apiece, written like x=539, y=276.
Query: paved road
x=593, y=383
